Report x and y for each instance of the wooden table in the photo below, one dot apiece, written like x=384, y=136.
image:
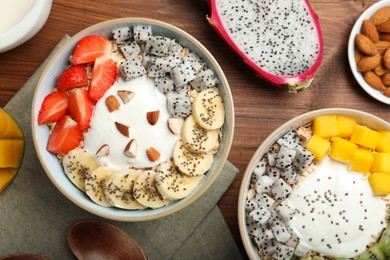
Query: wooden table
x=260, y=108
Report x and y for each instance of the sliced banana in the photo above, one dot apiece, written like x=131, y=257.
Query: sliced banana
x=78, y=165
x=95, y=182
x=190, y=163
x=198, y=139
x=145, y=191
x=208, y=109
x=172, y=184
x=118, y=189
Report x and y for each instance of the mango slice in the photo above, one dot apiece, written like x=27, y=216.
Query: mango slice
x=364, y=136
x=11, y=151
x=381, y=162
x=361, y=160
x=342, y=150
x=9, y=128
x=318, y=146
x=380, y=183
x=345, y=125
x=325, y=126
x=383, y=142
x=6, y=176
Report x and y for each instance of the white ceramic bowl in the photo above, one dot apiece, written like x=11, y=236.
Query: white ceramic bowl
x=362, y=118
x=27, y=27
x=41, y=133
x=351, y=51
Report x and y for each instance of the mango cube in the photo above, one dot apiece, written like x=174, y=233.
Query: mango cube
x=383, y=142
x=6, y=176
x=11, y=151
x=318, y=146
x=381, y=162
x=380, y=183
x=361, y=160
x=342, y=150
x=364, y=136
x=325, y=126
x=345, y=125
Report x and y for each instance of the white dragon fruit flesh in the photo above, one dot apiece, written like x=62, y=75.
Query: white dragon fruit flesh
x=283, y=252
x=285, y=157
x=280, y=39
x=122, y=34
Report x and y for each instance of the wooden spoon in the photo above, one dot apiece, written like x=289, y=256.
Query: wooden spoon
x=93, y=239
x=23, y=257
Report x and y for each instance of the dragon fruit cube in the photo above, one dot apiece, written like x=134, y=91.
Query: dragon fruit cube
x=273, y=173
x=179, y=104
x=196, y=62
x=303, y=158
x=283, y=252
x=260, y=215
x=183, y=73
x=281, y=189
x=289, y=174
x=264, y=199
x=122, y=34
x=290, y=139
x=285, y=157
x=285, y=211
x=164, y=85
x=142, y=33
x=204, y=80
x=130, y=50
x=280, y=232
x=158, y=45
x=131, y=69
x=264, y=184
x=259, y=170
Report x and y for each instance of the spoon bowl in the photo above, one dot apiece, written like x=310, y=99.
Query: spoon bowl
x=93, y=239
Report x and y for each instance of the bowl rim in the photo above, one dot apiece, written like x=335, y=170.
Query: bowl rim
x=270, y=139
x=351, y=52
x=27, y=27
x=228, y=135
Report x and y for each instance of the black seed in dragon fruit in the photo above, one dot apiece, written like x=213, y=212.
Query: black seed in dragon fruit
x=280, y=232
x=131, y=69
x=264, y=200
x=122, y=34
x=285, y=157
x=264, y=184
x=303, y=158
x=183, y=73
x=259, y=170
x=164, y=85
x=290, y=140
x=196, y=62
x=204, y=80
x=289, y=174
x=261, y=215
x=283, y=252
x=281, y=189
x=141, y=33
x=179, y=104
x=158, y=45
x=130, y=50
x=273, y=173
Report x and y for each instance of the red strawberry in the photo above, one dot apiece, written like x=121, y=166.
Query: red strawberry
x=103, y=77
x=54, y=106
x=89, y=48
x=65, y=136
x=72, y=77
x=80, y=107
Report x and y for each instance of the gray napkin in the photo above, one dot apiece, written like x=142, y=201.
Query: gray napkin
x=35, y=216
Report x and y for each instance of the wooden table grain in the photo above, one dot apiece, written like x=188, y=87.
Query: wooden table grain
x=259, y=107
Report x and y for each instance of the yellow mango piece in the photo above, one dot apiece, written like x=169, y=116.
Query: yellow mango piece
x=383, y=142
x=364, y=136
x=361, y=160
x=6, y=176
x=342, y=150
x=11, y=153
x=380, y=183
x=381, y=162
x=345, y=125
x=9, y=129
x=318, y=146
x=325, y=126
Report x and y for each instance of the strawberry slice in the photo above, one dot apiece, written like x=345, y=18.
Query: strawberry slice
x=65, y=136
x=72, y=77
x=103, y=77
x=54, y=106
x=89, y=48
x=80, y=107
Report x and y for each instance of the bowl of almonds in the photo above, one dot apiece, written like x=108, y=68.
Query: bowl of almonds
x=369, y=52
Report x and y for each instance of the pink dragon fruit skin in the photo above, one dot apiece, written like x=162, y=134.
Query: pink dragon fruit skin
x=293, y=83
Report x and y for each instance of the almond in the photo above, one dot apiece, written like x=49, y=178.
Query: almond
x=373, y=80
x=175, y=124
x=384, y=27
x=382, y=46
x=365, y=45
x=381, y=15
x=123, y=129
x=112, y=103
x=380, y=70
x=153, y=116
x=153, y=154
x=103, y=151
x=369, y=63
x=386, y=58
x=131, y=149
x=386, y=92
x=384, y=37
x=358, y=55
x=125, y=95
x=386, y=79
x=369, y=30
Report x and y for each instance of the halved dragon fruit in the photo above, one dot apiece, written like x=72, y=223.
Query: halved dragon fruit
x=281, y=39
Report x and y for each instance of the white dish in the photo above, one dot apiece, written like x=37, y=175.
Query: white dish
x=351, y=52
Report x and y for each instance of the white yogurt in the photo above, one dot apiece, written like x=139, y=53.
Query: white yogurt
x=337, y=214
x=103, y=130
x=12, y=12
